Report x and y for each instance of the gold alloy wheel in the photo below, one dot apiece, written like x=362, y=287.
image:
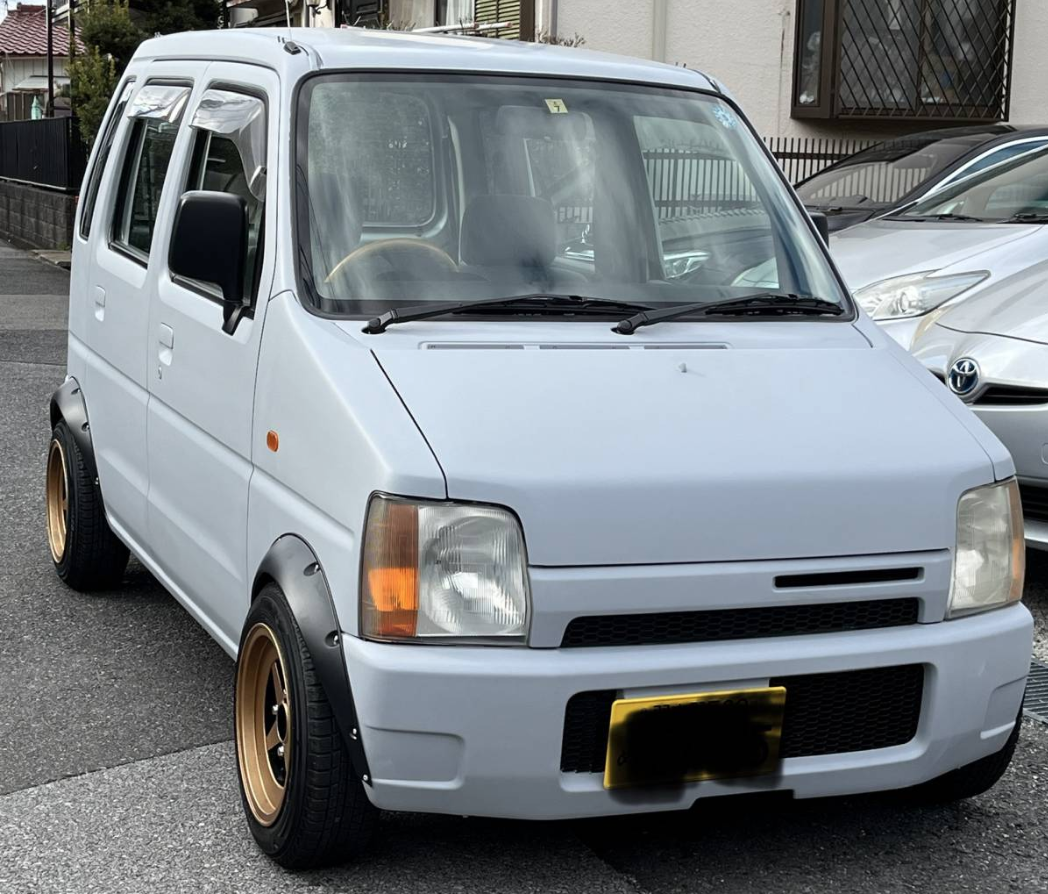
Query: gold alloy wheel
x=263, y=724
x=57, y=500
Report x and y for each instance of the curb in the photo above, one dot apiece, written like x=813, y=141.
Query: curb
x=57, y=258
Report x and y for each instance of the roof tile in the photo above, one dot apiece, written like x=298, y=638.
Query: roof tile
x=24, y=33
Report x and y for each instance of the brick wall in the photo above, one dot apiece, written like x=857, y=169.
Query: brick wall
x=32, y=217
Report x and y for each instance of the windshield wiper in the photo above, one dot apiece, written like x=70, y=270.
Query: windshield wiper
x=961, y=218
x=563, y=304
x=1027, y=217
x=766, y=303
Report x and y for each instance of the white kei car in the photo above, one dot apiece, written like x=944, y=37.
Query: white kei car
x=421, y=374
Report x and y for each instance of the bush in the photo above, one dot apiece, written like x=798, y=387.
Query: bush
x=92, y=78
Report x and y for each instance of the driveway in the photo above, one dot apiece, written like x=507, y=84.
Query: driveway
x=118, y=772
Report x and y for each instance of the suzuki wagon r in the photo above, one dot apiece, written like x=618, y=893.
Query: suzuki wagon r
x=499, y=409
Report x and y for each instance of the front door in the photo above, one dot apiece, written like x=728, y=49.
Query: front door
x=201, y=377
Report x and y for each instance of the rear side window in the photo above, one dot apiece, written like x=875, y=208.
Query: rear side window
x=157, y=113
x=105, y=144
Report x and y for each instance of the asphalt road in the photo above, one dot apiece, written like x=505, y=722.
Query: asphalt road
x=117, y=773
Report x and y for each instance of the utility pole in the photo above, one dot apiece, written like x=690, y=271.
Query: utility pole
x=50, y=111
x=72, y=34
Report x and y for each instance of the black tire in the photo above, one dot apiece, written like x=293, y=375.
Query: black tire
x=88, y=555
x=325, y=816
x=972, y=779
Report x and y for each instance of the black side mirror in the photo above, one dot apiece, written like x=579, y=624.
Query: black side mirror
x=209, y=245
x=822, y=224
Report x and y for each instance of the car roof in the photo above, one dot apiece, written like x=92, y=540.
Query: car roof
x=972, y=137
x=365, y=48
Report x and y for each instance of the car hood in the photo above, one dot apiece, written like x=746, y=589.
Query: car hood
x=697, y=454
x=881, y=249
x=1014, y=307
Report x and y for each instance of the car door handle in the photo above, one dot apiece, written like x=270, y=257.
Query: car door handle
x=100, y=303
x=165, y=352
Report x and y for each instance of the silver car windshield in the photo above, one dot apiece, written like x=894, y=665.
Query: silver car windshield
x=449, y=188
x=1014, y=190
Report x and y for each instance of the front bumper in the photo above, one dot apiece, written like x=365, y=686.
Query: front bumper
x=478, y=731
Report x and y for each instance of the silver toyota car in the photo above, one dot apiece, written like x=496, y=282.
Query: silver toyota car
x=992, y=352
x=948, y=248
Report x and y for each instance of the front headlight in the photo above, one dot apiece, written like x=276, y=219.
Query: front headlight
x=914, y=295
x=990, y=561
x=443, y=572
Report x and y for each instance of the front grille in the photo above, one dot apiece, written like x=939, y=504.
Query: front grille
x=1006, y=395
x=1035, y=502
x=1011, y=396
x=663, y=628
x=825, y=714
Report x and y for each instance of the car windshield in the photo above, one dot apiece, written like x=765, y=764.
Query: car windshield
x=883, y=174
x=413, y=189
x=1014, y=190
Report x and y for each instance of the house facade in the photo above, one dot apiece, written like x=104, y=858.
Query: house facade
x=859, y=69
x=23, y=63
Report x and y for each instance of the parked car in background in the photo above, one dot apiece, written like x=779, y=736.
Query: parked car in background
x=949, y=246
x=894, y=173
x=992, y=352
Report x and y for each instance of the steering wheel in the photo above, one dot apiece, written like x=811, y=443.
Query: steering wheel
x=368, y=261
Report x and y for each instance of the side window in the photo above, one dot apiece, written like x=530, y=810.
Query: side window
x=105, y=144
x=157, y=113
x=229, y=155
x=1002, y=154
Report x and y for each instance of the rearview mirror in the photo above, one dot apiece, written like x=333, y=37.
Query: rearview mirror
x=822, y=224
x=209, y=245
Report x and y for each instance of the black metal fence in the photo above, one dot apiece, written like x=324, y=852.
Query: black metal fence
x=803, y=157
x=47, y=152
x=695, y=182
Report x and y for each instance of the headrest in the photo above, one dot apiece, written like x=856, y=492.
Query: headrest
x=532, y=123
x=504, y=231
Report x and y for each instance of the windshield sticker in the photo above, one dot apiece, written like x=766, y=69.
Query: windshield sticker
x=556, y=106
x=725, y=116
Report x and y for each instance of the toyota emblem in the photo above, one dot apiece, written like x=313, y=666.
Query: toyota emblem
x=964, y=376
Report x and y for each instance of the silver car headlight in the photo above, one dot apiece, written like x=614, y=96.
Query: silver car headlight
x=914, y=295
x=990, y=560
x=443, y=572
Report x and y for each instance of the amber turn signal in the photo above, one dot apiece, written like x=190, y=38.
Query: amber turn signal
x=389, y=603
x=272, y=440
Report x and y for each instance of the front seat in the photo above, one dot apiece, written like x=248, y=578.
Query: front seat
x=512, y=240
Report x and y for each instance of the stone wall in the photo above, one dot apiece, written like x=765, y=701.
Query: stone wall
x=34, y=217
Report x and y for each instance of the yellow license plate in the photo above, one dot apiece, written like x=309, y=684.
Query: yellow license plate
x=673, y=739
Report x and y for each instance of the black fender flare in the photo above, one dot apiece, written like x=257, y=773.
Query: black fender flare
x=67, y=403
x=293, y=566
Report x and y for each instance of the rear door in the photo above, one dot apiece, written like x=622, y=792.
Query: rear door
x=202, y=378
x=114, y=324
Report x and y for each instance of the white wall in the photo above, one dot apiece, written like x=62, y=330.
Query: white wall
x=1029, y=83
x=748, y=46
